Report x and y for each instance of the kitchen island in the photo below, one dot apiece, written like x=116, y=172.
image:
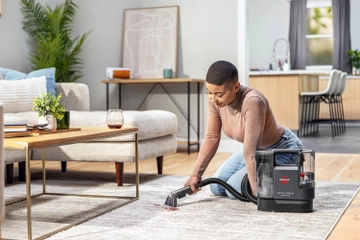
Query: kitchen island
x=283, y=88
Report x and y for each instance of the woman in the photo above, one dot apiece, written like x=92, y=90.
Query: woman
x=244, y=114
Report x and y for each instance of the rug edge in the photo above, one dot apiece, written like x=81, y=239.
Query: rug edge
x=342, y=213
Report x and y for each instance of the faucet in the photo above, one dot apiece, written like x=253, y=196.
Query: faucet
x=274, y=56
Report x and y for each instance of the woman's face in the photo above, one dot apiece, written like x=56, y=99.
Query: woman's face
x=222, y=95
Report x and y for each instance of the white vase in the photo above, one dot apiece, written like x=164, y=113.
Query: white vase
x=50, y=120
x=356, y=71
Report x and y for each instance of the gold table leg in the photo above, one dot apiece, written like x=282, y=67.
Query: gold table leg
x=43, y=170
x=28, y=193
x=137, y=165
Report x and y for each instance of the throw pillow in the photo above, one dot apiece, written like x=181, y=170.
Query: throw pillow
x=18, y=96
x=49, y=74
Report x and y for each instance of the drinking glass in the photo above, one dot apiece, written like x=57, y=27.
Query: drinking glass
x=114, y=118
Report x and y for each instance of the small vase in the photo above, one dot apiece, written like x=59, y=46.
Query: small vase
x=356, y=71
x=50, y=120
x=64, y=123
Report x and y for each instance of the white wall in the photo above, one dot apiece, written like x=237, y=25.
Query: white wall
x=268, y=21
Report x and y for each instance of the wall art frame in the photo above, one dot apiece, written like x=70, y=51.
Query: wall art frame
x=150, y=41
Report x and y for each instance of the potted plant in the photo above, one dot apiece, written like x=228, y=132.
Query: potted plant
x=49, y=109
x=54, y=44
x=355, y=59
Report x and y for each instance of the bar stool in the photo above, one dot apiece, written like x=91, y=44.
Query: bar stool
x=309, y=119
x=339, y=102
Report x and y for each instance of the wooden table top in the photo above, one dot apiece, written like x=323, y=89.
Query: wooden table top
x=63, y=138
x=155, y=80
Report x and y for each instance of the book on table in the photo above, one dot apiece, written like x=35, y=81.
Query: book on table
x=15, y=128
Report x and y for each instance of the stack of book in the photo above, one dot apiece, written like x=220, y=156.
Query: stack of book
x=16, y=130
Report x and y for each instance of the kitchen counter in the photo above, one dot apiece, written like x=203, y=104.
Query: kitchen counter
x=290, y=72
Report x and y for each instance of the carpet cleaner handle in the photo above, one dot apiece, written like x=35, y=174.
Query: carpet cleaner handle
x=180, y=193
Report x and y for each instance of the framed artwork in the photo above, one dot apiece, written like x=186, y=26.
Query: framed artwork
x=150, y=41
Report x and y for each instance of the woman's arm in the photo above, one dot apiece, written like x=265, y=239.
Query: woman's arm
x=209, y=146
x=255, y=116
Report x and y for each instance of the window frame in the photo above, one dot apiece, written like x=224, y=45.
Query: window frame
x=318, y=4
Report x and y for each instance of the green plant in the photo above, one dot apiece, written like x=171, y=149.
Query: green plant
x=48, y=104
x=52, y=30
x=355, y=58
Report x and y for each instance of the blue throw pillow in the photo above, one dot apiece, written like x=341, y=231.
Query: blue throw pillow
x=49, y=74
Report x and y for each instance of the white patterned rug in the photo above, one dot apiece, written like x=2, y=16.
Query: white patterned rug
x=199, y=216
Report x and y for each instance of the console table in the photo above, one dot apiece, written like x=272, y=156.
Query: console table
x=161, y=82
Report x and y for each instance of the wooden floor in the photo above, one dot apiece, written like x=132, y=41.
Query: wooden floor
x=329, y=167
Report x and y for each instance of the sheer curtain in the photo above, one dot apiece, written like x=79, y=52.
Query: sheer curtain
x=297, y=33
x=342, y=41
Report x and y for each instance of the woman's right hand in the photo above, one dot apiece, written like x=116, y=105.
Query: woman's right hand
x=192, y=181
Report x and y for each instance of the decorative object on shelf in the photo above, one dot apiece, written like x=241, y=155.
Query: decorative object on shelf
x=355, y=60
x=64, y=123
x=49, y=109
x=114, y=118
x=150, y=41
x=118, y=72
x=168, y=73
x=54, y=44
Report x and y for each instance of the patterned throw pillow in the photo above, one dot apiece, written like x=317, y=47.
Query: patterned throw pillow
x=49, y=74
x=18, y=96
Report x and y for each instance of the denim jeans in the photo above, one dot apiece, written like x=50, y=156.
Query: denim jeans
x=234, y=170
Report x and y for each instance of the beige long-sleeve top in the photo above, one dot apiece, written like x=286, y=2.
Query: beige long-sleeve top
x=249, y=120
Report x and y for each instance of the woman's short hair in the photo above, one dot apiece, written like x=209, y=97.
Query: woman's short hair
x=222, y=72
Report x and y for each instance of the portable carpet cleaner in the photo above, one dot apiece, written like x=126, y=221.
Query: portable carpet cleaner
x=279, y=187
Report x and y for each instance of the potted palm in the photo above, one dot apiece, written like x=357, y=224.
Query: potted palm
x=49, y=110
x=355, y=59
x=54, y=44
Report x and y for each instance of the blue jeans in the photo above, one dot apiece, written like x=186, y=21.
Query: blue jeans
x=234, y=170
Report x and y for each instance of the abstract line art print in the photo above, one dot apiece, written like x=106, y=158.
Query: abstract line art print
x=150, y=41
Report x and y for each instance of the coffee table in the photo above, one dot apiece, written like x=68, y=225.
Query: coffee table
x=64, y=138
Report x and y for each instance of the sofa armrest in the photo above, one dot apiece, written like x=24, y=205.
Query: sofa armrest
x=75, y=96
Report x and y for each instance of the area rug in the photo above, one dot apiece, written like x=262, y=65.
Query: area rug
x=199, y=216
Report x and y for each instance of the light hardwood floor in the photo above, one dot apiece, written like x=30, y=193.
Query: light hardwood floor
x=328, y=167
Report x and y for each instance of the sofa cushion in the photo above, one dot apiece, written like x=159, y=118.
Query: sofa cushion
x=30, y=116
x=49, y=74
x=8, y=119
x=18, y=96
x=151, y=123
x=110, y=151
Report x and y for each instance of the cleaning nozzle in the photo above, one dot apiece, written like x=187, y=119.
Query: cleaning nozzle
x=173, y=196
x=180, y=193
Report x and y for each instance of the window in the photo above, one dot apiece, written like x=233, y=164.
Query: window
x=319, y=35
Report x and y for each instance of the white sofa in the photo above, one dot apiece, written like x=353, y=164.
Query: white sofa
x=156, y=134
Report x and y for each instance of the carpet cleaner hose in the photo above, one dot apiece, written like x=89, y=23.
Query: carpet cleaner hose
x=245, y=188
